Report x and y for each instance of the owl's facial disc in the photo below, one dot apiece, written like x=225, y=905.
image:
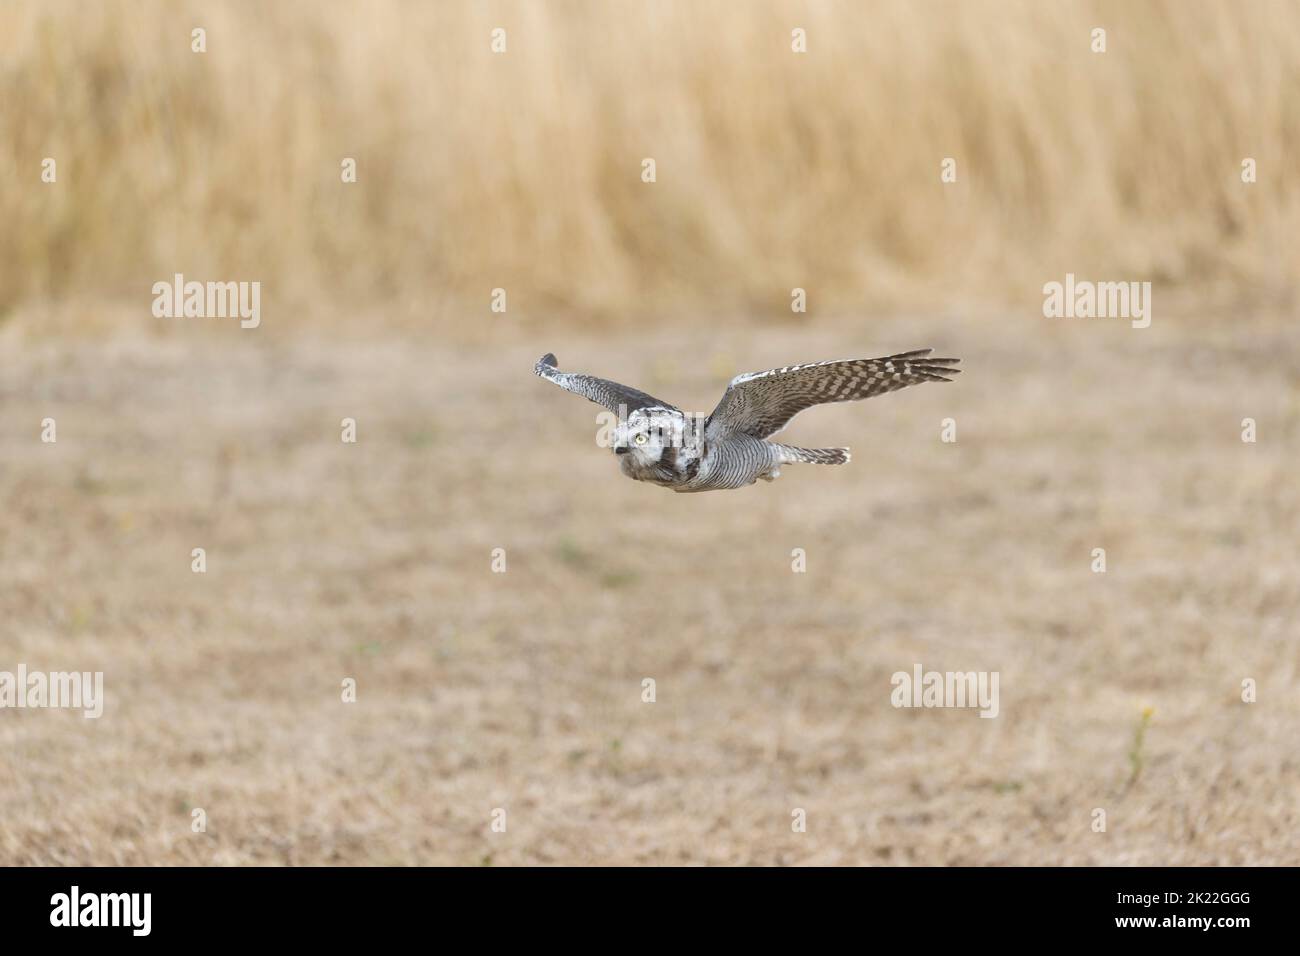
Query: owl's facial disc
x=644, y=439
x=638, y=439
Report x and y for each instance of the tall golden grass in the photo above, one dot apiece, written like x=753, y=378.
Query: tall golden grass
x=522, y=170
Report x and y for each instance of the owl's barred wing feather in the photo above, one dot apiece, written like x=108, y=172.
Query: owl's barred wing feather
x=760, y=404
x=620, y=399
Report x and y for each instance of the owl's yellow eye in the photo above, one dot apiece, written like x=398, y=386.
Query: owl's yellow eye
x=640, y=439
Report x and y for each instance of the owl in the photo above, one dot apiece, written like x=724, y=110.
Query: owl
x=730, y=448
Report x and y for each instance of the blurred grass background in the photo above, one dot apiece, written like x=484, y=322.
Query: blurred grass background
x=522, y=170
x=372, y=560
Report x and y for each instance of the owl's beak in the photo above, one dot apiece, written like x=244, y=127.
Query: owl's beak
x=621, y=449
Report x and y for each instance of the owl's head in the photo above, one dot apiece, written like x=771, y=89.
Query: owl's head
x=649, y=440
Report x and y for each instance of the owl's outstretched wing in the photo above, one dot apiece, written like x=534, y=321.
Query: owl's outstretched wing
x=620, y=399
x=762, y=403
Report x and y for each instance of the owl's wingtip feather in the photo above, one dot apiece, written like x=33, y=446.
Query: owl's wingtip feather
x=545, y=362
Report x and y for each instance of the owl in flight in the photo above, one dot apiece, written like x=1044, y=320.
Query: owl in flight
x=661, y=444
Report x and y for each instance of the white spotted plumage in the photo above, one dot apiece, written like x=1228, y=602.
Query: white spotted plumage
x=658, y=443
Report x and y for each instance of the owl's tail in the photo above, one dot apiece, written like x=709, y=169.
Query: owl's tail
x=813, y=456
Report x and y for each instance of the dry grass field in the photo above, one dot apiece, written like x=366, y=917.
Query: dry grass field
x=522, y=170
x=522, y=690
